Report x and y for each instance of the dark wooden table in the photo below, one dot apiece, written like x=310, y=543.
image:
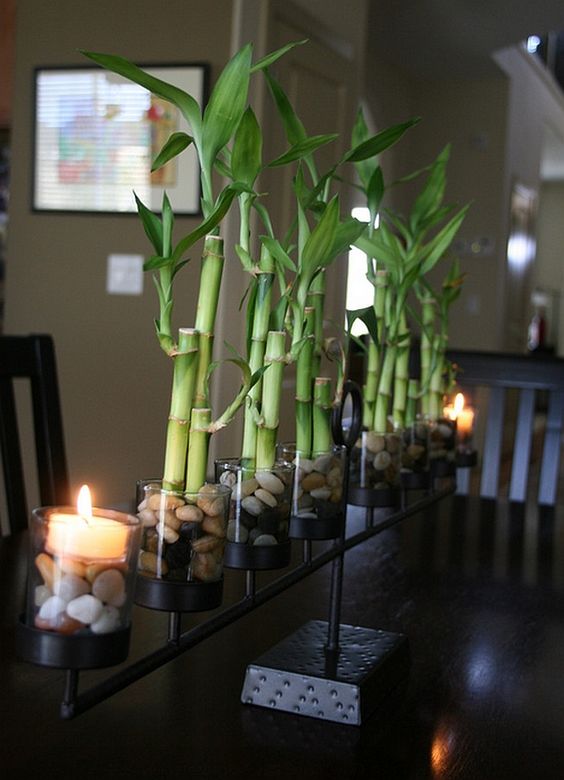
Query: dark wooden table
x=477, y=587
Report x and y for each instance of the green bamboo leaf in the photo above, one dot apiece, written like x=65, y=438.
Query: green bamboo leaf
x=375, y=193
x=265, y=62
x=436, y=248
x=219, y=211
x=303, y=149
x=222, y=168
x=321, y=238
x=374, y=247
x=276, y=250
x=168, y=224
x=278, y=314
x=346, y=234
x=378, y=143
x=367, y=316
x=185, y=103
x=226, y=105
x=176, y=144
x=152, y=225
x=246, y=159
x=294, y=129
x=264, y=216
x=244, y=257
x=399, y=225
x=155, y=262
x=432, y=194
x=360, y=134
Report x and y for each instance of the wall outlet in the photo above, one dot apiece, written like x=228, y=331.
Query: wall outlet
x=125, y=275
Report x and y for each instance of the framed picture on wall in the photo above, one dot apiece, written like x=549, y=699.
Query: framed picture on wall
x=96, y=135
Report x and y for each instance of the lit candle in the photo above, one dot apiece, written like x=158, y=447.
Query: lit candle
x=464, y=416
x=86, y=535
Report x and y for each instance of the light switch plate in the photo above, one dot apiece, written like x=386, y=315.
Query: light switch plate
x=125, y=275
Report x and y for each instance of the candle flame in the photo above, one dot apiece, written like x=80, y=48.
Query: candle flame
x=458, y=403
x=84, y=503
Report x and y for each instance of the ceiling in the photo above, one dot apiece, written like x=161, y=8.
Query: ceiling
x=429, y=38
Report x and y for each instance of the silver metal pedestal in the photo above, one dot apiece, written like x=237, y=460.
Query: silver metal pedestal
x=300, y=676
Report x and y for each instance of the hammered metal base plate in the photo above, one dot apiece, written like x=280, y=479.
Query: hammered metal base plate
x=298, y=676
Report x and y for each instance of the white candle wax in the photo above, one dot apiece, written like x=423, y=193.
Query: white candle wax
x=96, y=538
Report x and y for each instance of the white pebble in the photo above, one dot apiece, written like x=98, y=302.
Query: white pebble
x=69, y=587
x=307, y=515
x=322, y=493
x=322, y=463
x=382, y=460
x=42, y=593
x=252, y=505
x=107, y=622
x=109, y=586
x=247, y=487
x=266, y=497
x=270, y=482
x=52, y=607
x=305, y=464
x=86, y=609
x=264, y=540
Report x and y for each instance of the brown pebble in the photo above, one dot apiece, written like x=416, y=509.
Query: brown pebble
x=164, y=501
x=190, y=514
x=62, y=624
x=312, y=481
x=150, y=562
x=94, y=569
x=211, y=505
x=71, y=566
x=214, y=525
x=148, y=517
x=205, y=543
x=47, y=569
x=206, y=568
x=170, y=518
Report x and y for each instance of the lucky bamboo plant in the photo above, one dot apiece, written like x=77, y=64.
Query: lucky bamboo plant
x=401, y=253
x=190, y=424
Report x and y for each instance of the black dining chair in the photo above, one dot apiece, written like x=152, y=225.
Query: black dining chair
x=31, y=357
x=524, y=412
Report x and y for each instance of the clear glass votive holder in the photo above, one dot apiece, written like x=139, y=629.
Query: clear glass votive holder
x=415, y=461
x=257, y=532
x=375, y=469
x=82, y=571
x=184, y=533
x=317, y=491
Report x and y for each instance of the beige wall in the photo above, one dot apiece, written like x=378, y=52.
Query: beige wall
x=114, y=379
x=548, y=273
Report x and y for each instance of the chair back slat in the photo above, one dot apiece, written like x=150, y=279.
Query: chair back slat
x=492, y=448
x=535, y=378
x=31, y=357
x=550, y=464
x=12, y=458
x=522, y=447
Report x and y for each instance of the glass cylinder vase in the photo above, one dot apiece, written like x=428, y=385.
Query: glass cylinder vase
x=182, y=548
x=81, y=581
x=317, y=508
x=375, y=470
x=257, y=532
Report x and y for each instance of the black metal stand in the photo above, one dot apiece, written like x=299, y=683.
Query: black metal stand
x=325, y=670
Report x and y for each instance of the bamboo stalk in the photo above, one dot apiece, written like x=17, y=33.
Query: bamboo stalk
x=210, y=283
x=428, y=307
x=385, y=390
x=401, y=374
x=322, y=406
x=304, y=366
x=275, y=359
x=436, y=382
x=316, y=299
x=412, y=399
x=263, y=305
x=183, y=385
x=375, y=351
x=198, y=449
